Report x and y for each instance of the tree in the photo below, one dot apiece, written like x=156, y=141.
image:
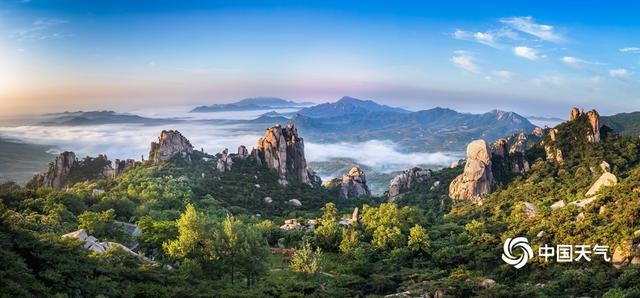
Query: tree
x=228, y=244
x=193, y=241
x=385, y=237
x=350, y=240
x=305, y=261
x=418, y=239
x=328, y=233
x=241, y=247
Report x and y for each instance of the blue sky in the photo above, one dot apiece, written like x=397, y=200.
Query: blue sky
x=536, y=58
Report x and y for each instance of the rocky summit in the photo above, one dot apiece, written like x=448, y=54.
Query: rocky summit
x=477, y=178
x=56, y=174
x=283, y=150
x=170, y=143
x=406, y=180
x=593, y=118
x=354, y=184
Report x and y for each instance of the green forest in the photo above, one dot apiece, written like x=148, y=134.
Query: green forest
x=206, y=233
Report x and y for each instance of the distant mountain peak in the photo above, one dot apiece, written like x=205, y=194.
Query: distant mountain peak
x=348, y=105
x=251, y=104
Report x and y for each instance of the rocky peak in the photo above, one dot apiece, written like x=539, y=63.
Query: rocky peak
x=593, y=118
x=405, y=180
x=283, y=150
x=121, y=165
x=477, y=178
x=354, y=184
x=170, y=143
x=243, y=152
x=55, y=176
x=224, y=162
x=511, y=152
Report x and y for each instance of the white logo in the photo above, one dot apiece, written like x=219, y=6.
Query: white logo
x=519, y=242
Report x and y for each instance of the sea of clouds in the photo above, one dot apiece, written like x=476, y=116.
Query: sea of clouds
x=132, y=140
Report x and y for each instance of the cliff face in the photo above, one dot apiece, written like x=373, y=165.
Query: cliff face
x=354, y=184
x=511, y=151
x=477, y=178
x=58, y=171
x=406, y=179
x=283, y=150
x=170, y=143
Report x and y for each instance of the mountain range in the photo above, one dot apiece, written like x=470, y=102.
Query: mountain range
x=355, y=120
x=251, y=104
x=81, y=118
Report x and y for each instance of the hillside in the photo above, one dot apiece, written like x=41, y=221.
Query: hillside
x=19, y=161
x=624, y=123
x=427, y=130
x=241, y=225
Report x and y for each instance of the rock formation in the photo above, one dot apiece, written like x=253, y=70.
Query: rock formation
x=554, y=154
x=281, y=149
x=406, y=179
x=92, y=243
x=593, y=119
x=170, y=143
x=120, y=166
x=224, y=162
x=354, y=184
x=477, y=178
x=58, y=171
x=511, y=151
x=242, y=152
x=607, y=179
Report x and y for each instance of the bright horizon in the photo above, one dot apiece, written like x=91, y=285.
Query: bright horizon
x=534, y=60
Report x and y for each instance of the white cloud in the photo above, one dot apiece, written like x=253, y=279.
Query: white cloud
x=529, y=26
x=630, y=50
x=375, y=154
x=460, y=34
x=485, y=38
x=527, y=52
x=619, y=73
x=576, y=62
x=555, y=80
x=505, y=74
x=464, y=61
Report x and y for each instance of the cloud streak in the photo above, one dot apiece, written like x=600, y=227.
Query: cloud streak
x=529, y=26
x=41, y=29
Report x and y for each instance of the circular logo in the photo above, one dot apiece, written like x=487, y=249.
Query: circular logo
x=512, y=244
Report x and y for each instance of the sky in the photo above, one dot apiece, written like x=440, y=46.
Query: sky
x=535, y=58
